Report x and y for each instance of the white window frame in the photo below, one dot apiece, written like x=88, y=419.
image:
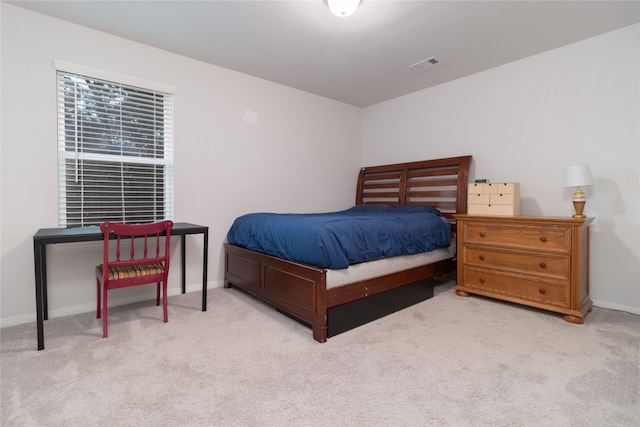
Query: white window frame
x=78, y=155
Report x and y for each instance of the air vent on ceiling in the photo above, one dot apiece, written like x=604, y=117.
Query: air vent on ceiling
x=425, y=64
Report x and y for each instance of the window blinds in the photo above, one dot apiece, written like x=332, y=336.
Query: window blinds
x=115, y=152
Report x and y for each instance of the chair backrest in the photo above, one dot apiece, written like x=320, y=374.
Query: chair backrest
x=150, y=234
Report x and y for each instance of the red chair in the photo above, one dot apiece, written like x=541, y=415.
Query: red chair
x=138, y=268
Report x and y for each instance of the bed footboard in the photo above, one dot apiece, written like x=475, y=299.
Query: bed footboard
x=295, y=288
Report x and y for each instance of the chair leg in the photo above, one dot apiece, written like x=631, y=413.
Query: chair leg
x=105, y=314
x=165, y=300
x=98, y=288
x=158, y=294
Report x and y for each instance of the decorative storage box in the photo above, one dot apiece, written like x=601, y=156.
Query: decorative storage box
x=496, y=198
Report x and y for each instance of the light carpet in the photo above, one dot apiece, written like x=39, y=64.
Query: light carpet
x=448, y=361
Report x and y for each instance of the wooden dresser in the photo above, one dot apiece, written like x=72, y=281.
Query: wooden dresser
x=541, y=262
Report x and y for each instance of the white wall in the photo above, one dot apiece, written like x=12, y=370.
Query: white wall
x=526, y=122
x=303, y=154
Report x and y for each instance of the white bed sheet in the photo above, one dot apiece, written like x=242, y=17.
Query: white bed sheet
x=369, y=270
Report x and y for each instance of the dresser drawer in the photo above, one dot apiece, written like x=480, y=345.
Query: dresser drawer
x=494, y=209
x=478, y=199
x=526, y=237
x=539, y=264
x=502, y=199
x=503, y=285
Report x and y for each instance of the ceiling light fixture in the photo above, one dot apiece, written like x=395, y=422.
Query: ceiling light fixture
x=343, y=8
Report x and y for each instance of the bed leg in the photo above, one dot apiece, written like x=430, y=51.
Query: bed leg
x=319, y=333
x=227, y=284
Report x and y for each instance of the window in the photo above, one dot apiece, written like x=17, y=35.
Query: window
x=115, y=152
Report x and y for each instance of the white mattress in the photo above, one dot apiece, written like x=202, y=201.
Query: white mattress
x=369, y=270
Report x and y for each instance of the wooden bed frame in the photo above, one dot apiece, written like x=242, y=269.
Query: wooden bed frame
x=300, y=291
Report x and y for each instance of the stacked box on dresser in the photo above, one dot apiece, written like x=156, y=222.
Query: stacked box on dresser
x=494, y=199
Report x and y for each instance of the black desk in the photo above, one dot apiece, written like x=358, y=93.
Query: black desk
x=47, y=236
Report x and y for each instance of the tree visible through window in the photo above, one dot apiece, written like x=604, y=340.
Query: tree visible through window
x=115, y=152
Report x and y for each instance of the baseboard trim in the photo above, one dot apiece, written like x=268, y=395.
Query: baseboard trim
x=617, y=307
x=85, y=308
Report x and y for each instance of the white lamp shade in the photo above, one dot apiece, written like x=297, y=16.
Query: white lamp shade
x=578, y=176
x=343, y=8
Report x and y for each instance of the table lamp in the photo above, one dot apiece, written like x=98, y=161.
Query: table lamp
x=578, y=176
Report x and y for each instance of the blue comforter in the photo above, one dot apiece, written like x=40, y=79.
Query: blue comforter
x=337, y=239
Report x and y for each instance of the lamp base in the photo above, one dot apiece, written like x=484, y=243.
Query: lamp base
x=579, y=207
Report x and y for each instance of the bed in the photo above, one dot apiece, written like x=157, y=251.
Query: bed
x=317, y=295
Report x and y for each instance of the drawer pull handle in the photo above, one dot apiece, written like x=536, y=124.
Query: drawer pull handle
x=543, y=265
x=543, y=239
x=482, y=234
x=481, y=279
x=481, y=257
x=542, y=291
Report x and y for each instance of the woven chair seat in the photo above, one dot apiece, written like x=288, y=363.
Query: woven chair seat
x=136, y=270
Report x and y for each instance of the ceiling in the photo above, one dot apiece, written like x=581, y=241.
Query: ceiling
x=360, y=60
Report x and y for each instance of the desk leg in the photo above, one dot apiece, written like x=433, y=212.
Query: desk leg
x=205, y=259
x=39, y=256
x=43, y=281
x=183, y=247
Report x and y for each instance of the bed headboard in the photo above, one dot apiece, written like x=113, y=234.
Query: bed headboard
x=441, y=183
